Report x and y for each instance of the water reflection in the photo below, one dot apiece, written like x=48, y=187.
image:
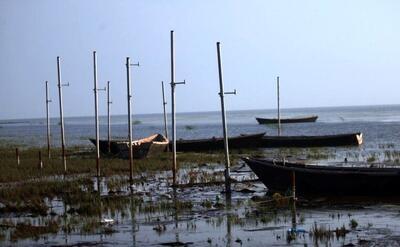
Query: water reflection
x=137, y=214
x=228, y=207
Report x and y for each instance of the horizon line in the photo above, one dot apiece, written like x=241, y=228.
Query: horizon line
x=154, y=113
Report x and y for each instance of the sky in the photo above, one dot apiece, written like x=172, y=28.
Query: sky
x=326, y=53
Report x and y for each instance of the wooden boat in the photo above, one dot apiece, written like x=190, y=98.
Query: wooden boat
x=237, y=142
x=305, y=119
x=142, y=148
x=103, y=146
x=327, y=180
x=352, y=139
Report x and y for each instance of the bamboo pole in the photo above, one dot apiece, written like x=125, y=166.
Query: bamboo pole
x=108, y=117
x=279, y=114
x=224, y=125
x=60, y=85
x=173, y=84
x=165, y=113
x=129, y=96
x=96, y=113
x=48, y=120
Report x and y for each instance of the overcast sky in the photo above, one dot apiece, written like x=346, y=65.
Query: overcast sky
x=327, y=53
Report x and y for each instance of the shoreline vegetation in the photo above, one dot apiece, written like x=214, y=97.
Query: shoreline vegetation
x=28, y=191
x=81, y=161
x=36, y=203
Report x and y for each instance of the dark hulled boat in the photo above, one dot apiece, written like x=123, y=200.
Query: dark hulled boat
x=305, y=119
x=352, y=139
x=327, y=180
x=237, y=142
x=103, y=145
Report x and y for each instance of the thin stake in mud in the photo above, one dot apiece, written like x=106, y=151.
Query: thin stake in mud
x=294, y=220
x=109, y=102
x=165, y=113
x=60, y=85
x=96, y=113
x=279, y=113
x=17, y=156
x=40, y=160
x=48, y=120
x=129, y=96
x=173, y=84
x=224, y=125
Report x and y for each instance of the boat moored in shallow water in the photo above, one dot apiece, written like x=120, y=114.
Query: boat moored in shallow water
x=142, y=148
x=333, y=179
x=351, y=139
x=210, y=144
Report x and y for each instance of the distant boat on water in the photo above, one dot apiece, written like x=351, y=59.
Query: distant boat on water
x=279, y=120
x=305, y=119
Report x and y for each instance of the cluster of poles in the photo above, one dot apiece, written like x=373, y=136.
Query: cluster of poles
x=173, y=84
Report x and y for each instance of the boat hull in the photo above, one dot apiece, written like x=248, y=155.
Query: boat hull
x=142, y=148
x=323, y=180
x=238, y=142
x=103, y=146
x=287, y=120
x=353, y=139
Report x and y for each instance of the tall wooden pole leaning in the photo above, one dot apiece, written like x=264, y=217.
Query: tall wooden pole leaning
x=129, y=96
x=108, y=117
x=96, y=114
x=60, y=85
x=224, y=125
x=279, y=113
x=48, y=120
x=165, y=113
x=173, y=84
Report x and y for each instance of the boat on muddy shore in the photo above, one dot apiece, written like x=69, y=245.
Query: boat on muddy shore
x=351, y=139
x=358, y=179
x=142, y=148
x=217, y=143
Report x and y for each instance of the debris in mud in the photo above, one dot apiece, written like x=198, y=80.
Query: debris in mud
x=353, y=224
x=160, y=228
x=172, y=244
x=107, y=221
x=246, y=190
x=239, y=241
x=270, y=228
x=82, y=244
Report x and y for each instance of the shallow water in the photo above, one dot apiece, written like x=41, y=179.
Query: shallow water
x=213, y=219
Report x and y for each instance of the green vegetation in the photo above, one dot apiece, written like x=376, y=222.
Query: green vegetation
x=353, y=224
x=82, y=161
x=24, y=230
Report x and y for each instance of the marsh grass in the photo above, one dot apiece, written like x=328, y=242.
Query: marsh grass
x=320, y=232
x=27, y=230
x=82, y=161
